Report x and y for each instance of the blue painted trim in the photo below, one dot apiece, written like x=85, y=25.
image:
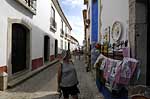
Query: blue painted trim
x=94, y=34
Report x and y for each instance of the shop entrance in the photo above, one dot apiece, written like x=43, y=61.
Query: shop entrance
x=19, y=46
x=46, y=48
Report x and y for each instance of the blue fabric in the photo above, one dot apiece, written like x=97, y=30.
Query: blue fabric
x=105, y=92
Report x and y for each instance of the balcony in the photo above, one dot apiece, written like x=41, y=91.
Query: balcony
x=29, y=4
x=53, y=24
x=61, y=32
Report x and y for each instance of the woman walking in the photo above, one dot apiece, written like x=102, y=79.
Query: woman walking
x=67, y=77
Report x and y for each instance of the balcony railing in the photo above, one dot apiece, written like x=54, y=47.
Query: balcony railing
x=29, y=4
x=53, y=24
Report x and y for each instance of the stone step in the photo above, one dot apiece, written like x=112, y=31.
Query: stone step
x=28, y=75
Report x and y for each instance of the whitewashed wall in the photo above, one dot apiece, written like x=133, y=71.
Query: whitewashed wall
x=37, y=42
x=42, y=17
x=56, y=35
x=42, y=20
x=9, y=9
x=40, y=26
x=3, y=40
x=112, y=11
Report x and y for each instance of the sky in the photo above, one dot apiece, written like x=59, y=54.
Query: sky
x=73, y=12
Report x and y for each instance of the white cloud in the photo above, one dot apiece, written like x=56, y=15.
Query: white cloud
x=73, y=3
x=75, y=19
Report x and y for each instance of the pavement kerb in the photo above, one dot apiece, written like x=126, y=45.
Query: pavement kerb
x=28, y=75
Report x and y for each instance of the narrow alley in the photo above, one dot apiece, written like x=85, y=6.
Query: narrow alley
x=111, y=38
x=44, y=85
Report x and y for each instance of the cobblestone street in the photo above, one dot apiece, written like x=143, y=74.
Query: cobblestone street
x=44, y=85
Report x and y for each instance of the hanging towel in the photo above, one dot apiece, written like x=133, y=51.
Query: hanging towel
x=126, y=71
x=113, y=73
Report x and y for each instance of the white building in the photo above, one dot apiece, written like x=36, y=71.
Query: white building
x=74, y=44
x=32, y=32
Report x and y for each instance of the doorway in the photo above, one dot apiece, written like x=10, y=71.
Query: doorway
x=56, y=47
x=69, y=46
x=46, y=48
x=148, y=44
x=19, y=48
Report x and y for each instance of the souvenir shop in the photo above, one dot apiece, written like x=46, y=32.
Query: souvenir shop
x=114, y=72
x=115, y=69
x=113, y=47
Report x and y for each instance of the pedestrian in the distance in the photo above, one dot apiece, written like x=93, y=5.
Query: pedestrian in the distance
x=67, y=78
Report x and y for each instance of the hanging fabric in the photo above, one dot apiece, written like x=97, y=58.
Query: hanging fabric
x=126, y=71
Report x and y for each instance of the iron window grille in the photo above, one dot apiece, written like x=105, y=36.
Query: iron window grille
x=53, y=24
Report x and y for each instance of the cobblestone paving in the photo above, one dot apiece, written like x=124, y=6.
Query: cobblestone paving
x=44, y=85
x=87, y=84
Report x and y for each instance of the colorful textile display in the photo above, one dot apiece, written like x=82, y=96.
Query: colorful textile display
x=117, y=74
x=108, y=68
x=113, y=73
x=120, y=71
x=126, y=71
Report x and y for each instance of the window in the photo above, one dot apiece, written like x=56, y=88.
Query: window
x=61, y=44
x=65, y=29
x=52, y=13
x=53, y=24
x=61, y=24
x=65, y=45
x=61, y=30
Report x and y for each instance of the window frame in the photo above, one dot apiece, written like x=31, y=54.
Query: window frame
x=65, y=45
x=53, y=24
x=61, y=42
x=65, y=29
x=62, y=24
x=52, y=12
